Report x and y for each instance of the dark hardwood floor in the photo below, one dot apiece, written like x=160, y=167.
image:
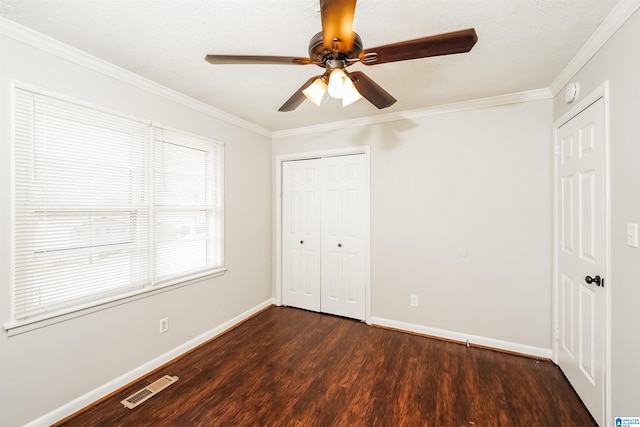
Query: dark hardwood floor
x=289, y=367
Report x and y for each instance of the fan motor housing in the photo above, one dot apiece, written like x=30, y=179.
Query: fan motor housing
x=319, y=53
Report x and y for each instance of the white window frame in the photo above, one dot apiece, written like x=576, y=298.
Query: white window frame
x=214, y=209
x=214, y=213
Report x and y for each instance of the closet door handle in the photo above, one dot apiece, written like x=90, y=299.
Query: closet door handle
x=597, y=280
x=301, y=242
x=339, y=245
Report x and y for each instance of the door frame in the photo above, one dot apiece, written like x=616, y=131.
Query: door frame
x=362, y=149
x=601, y=92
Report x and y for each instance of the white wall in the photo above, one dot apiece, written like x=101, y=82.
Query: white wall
x=44, y=369
x=460, y=216
x=618, y=62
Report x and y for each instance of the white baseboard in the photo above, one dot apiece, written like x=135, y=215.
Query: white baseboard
x=117, y=383
x=462, y=337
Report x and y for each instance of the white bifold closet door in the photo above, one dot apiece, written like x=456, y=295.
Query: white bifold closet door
x=324, y=235
x=301, y=210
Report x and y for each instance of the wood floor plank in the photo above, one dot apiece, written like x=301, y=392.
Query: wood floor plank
x=289, y=367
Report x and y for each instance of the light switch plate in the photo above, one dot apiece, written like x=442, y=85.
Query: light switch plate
x=632, y=235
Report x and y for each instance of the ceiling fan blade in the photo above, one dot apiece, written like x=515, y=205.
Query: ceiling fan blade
x=297, y=98
x=440, y=44
x=256, y=59
x=371, y=90
x=337, y=24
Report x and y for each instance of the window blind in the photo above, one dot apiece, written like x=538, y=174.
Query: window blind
x=107, y=205
x=188, y=189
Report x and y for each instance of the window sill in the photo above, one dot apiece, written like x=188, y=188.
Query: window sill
x=22, y=326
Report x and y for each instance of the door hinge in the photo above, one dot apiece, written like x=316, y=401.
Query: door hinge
x=557, y=334
x=556, y=150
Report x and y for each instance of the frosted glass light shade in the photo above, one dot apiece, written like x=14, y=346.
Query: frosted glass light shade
x=315, y=92
x=352, y=95
x=338, y=83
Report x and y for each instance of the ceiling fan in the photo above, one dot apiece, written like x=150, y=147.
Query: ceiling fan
x=337, y=47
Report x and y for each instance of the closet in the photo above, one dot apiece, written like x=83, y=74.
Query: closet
x=325, y=235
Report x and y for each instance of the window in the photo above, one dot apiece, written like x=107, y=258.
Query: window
x=187, y=205
x=107, y=206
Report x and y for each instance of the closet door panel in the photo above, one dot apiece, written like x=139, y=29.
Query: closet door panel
x=301, y=234
x=343, y=240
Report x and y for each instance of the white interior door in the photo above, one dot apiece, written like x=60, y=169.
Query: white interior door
x=325, y=235
x=301, y=234
x=581, y=252
x=343, y=231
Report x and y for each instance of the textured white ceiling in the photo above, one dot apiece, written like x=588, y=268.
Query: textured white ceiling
x=522, y=45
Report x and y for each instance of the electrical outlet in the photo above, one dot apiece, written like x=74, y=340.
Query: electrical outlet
x=414, y=300
x=164, y=325
x=632, y=235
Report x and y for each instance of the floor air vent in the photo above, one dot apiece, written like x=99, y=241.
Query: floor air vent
x=146, y=393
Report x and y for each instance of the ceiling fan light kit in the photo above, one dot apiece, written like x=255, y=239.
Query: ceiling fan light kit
x=316, y=91
x=337, y=47
x=351, y=96
x=339, y=83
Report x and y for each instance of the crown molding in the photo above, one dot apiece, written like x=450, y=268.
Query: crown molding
x=494, y=101
x=612, y=23
x=47, y=44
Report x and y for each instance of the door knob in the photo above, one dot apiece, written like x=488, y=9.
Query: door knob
x=596, y=279
x=301, y=242
x=339, y=245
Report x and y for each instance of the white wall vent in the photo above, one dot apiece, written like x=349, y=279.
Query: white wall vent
x=146, y=393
